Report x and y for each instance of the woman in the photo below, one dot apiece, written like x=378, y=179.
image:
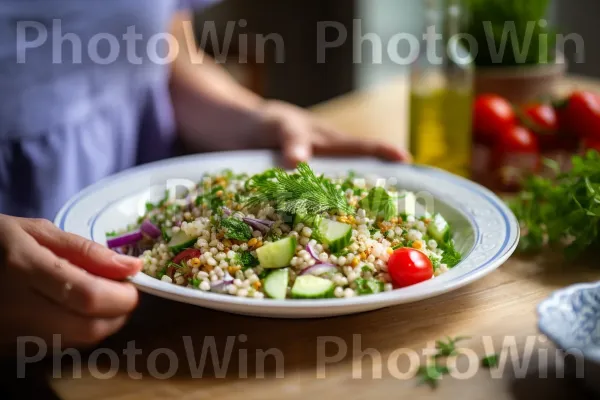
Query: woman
x=69, y=119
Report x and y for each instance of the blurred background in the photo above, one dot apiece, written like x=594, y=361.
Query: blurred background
x=302, y=81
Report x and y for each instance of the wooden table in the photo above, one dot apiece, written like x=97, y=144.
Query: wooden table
x=500, y=306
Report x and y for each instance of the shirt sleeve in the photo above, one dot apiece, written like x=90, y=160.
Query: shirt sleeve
x=195, y=4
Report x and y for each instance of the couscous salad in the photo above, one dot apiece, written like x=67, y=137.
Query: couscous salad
x=285, y=235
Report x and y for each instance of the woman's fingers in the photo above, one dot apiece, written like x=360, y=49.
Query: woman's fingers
x=296, y=144
x=92, y=257
x=37, y=316
x=69, y=286
x=336, y=143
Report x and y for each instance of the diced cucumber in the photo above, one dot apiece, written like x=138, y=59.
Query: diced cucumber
x=308, y=220
x=407, y=203
x=438, y=228
x=312, y=287
x=277, y=254
x=180, y=241
x=276, y=284
x=337, y=235
x=380, y=203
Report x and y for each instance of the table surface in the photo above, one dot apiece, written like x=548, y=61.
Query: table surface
x=499, y=308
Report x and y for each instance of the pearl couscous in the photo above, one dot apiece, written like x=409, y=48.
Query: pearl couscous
x=231, y=236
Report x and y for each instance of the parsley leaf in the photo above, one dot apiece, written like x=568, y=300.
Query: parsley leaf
x=196, y=282
x=432, y=374
x=490, y=361
x=368, y=286
x=111, y=234
x=380, y=203
x=450, y=256
x=236, y=229
x=246, y=260
x=448, y=348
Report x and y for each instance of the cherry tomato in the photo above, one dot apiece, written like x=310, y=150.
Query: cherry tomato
x=186, y=255
x=580, y=115
x=542, y=119
x=515, y=155
x=517, y=139
x=492, y=116
x=408, y=266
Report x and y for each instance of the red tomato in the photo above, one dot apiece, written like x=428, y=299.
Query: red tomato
x=543, y=120
x=515, y=155
x=408, y=266
x=580, y=115
x=492, y=116
x=517, y=139
x=186, y=255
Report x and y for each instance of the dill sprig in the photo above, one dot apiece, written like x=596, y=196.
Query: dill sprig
x=302, y=192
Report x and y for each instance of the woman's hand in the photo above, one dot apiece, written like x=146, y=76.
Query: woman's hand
x=52, y=282
x=300, y=135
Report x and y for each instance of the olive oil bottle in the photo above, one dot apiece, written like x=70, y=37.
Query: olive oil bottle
x=441, y=92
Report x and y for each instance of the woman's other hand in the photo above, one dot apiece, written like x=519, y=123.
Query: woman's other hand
x=53, y=282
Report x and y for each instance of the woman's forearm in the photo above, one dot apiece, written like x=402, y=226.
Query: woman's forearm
x=212, y=110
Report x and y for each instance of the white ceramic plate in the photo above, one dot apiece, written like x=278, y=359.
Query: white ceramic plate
x=486, y=231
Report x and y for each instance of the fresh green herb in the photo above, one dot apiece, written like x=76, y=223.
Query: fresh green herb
x=368, y=286
x=298, y=193
x=212, y=199
x=365, y=269
x=196, y=282
x=436, y=263
x=409, y=243
x=398, y=246
x=236, y=229
x=431, y=374
x=490, y=361
x=348, y=183
x=149, y=206
x=246, y=260
x=564, y=211
x=451, y=257
x=374, y=230
x=165, y=233
x=448, y=348
x=263, y=274
x=112, y=234
x=380, y=203
x=162, y=272
x=522, y=39
x=342, y=252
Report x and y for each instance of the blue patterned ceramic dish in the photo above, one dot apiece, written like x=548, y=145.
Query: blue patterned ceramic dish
x=570, y=317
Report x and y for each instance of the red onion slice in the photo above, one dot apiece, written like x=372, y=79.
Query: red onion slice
x=226, y=211
x=127, y=239
x=319, y=269
x=221, y=285
x=150, y=229
x=313, y=253
x=258, y=224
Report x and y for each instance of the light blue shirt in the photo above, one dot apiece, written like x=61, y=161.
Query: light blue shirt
x=69, y=118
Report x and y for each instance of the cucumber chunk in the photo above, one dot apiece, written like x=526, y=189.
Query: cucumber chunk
x=180, y=241
x=337, y=235
x=312, y=287
x=380, y=203
x=276, y=284
x=277, y=254
x=308, y=220
x=438, y=228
